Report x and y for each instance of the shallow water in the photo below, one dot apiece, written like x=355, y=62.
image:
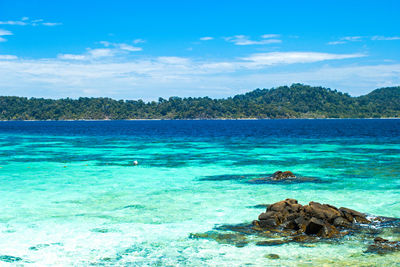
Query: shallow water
x=70, y=195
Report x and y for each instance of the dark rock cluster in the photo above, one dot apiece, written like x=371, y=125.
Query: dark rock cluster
x=276, y=177
x=288, y=221
x=383, y=246
x=322, y=220
x=280, y=175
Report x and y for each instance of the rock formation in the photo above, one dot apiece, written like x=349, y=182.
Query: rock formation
x=383, y=246
x=279, y=175
x=288, y=221
x=322, y=220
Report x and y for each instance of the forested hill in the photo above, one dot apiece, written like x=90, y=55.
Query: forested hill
x=296, y=101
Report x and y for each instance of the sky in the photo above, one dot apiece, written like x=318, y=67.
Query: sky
x=150, y=49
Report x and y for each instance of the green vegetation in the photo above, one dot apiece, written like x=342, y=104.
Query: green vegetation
x=296, y=101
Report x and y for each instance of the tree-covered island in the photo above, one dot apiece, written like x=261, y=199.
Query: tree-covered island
x=296, y=101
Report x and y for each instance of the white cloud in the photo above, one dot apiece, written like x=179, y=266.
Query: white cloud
x=206, y=38
x=100, y=52
x=8, y=57
x=91, y=54
x=26, y=21
x=351, y=38
x=174, y=60
x=4, y=33
x=123, y=46
x=336, y=42
x=138, y=41
x=385, y=38
x=97, y=73
x=245, y=40
x=51, y=23
x=111, y=50
x=13, y=22
x=275, y=58
x=346, y=39
x=71, y=57
x=129, y=48
x=267, y=36
x=105, y=43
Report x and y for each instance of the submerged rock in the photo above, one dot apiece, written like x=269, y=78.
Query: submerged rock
x=39, y=246
x=276, y=176
x=237, y=239
x=272, y=256
x=283, y=177
x=7, y=258
x=272, y=242
x=383, y=246
x=259, y=206
x=279, y=175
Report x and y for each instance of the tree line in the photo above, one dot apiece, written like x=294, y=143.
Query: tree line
x=295, y=101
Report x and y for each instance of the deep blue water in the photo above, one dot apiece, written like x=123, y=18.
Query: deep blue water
x=299, y=128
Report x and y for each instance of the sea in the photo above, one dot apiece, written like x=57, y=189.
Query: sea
x=70, y=194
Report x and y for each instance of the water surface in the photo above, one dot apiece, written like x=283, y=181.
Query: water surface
x=71, y=196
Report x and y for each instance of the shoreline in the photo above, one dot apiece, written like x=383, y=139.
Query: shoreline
x=215, y=119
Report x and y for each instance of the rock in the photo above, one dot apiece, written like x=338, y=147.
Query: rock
x=328, y=231
x=380, y=240
x=268, y=223
x=323, y=212
x=39, y=246
x=278, y=206
x=272, y=242
x=322, y=220
x=291, y=201
x=236, y=239
x=244, y=229
x=290, y=224
x=10, y=259
x=279, y=175
x=362, y=220
x=262, y=180
x=314, y=226
x=301, y=223
x=348, y=217
x=383, y=246
x=341, y=222
x=284, y=204
x=267, y=215
x=272, y=256
x=352, y=215
x=352, y=212
x=288, y=221
x=303, y=239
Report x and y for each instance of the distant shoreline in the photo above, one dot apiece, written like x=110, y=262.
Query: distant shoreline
x=295, y=102
x=216, y=119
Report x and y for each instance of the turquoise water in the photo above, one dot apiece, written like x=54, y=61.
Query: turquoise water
x=70, y=196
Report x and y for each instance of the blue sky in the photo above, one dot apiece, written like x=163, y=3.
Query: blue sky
x=147, y=49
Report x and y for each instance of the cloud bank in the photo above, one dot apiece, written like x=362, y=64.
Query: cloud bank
x=99, y=72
